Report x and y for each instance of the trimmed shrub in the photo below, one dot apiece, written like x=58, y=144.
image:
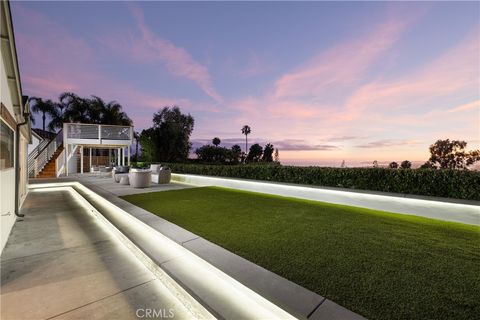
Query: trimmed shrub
x=460, y=184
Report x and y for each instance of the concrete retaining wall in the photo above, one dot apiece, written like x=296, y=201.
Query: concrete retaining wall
x=443, y=210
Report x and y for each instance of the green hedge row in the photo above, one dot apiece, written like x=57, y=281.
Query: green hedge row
x=460, y=184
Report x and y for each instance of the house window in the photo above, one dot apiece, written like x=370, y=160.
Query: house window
x=6, y=146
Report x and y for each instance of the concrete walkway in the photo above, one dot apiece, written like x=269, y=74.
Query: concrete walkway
x=60, y=262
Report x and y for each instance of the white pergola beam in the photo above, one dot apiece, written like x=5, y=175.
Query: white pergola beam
x=81, y=159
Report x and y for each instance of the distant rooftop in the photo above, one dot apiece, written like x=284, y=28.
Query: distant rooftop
x=44, y=134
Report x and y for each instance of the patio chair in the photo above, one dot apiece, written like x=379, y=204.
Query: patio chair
x=120, y=171
x=160, y=175
x=140, y=178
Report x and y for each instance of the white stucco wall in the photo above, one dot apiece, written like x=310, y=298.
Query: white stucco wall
x=34, y=144
x=7, y=176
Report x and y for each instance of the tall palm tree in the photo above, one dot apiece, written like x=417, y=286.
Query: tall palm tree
x=246, y=131
x=56, y=116
x=76, y=108
x=44, y=107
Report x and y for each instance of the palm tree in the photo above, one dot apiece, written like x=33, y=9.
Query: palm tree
x=76, y=108
x=109, y=113
x=44, y=107
x=56, y=116
x=246, y=131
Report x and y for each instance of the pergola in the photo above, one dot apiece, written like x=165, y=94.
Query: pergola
x=96, y=136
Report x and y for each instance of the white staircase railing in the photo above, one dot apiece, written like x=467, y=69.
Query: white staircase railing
x=39, y=157
x=34, y=154
x=60, y=163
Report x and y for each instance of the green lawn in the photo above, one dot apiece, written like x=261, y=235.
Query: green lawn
x=378, y=264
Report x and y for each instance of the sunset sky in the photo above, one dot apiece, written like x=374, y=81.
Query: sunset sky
x=322, y=81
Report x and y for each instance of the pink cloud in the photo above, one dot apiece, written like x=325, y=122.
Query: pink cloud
x=343, y=64
x=255, y=66
x=54, y=60
x=413, y=105
x=466, y=106
x=455, y=72
x=177, y=60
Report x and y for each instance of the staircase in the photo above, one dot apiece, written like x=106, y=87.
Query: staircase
x=50, y=171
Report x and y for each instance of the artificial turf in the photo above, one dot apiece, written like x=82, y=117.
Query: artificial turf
x=378, y=264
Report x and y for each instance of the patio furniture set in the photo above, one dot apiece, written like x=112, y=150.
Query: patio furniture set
x=141, y=178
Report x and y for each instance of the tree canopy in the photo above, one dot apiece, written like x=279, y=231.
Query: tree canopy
x=168, y=139
x=72, y=108
x=452, y=154
x=255, y=153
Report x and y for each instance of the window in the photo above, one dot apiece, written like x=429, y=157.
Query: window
x=6, y=146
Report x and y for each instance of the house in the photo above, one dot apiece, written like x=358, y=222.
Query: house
x=15, y=133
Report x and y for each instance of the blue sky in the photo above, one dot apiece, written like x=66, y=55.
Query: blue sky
x=323, y=81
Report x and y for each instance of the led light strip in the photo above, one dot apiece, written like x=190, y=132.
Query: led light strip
x=448, y=211
x=237, y=296
x=196, y=310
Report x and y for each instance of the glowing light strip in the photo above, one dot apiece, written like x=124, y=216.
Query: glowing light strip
x=241, y=301
x=456, y=212
x=196, y=310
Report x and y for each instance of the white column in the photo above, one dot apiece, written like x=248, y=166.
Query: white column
x=90, y=159
x=128, y=155
x=81, y=159
x=123, y=156
x=65, y=147
x=118, y=157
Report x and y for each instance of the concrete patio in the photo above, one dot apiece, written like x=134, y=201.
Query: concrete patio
x=105, y=181
x=60, y=262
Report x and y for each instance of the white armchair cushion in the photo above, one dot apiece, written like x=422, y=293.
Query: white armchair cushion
x=155, y=168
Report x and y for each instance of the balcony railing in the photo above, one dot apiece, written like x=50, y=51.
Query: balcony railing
x=98, y=133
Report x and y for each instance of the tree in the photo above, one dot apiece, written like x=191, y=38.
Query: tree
x=56, y=117
x=375, y=163
x=168, y=139
x=216, y=141
x=268, y=153
x=276, y=157
x=72, y=108
x=393, y=165
x=236, y=153
x=136, y=136
x=246, y=131
x=255, y=153
x=452, y=154
x=45, y=107
x=76, y=109
x=405, y=164
x=427, y=165
x=107, y=113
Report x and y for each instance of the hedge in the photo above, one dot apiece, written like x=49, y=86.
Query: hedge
x=460, y=184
